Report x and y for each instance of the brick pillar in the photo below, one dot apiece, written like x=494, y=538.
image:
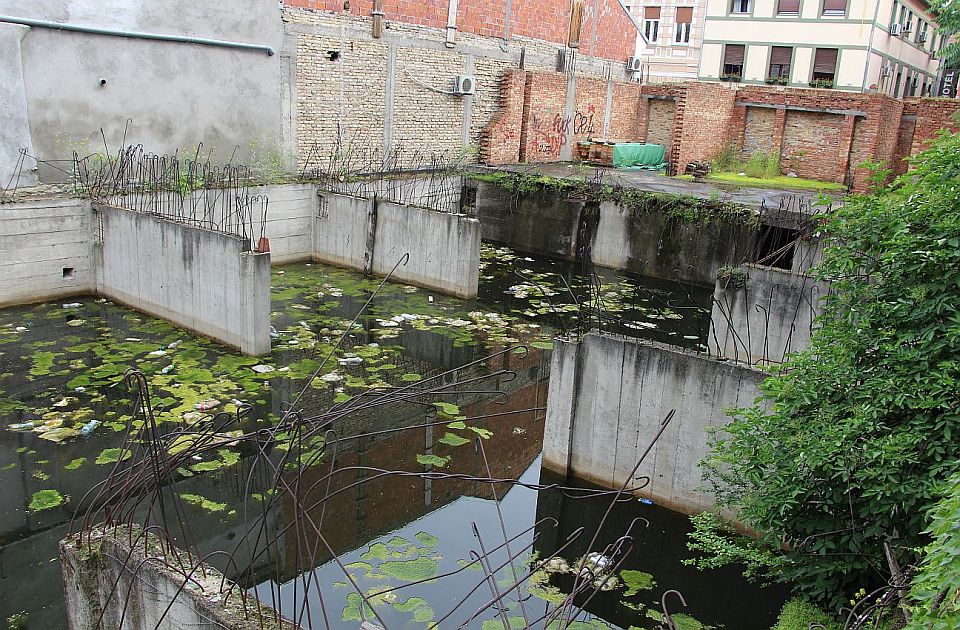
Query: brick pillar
x=779, y=125
x=846, y=143
x=643, y=124
x=738, y=127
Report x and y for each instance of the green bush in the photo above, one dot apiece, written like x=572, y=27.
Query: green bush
x=854, y=437
x=798, y=615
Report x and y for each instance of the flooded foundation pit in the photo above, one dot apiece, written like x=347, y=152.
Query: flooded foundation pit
x=64, y=412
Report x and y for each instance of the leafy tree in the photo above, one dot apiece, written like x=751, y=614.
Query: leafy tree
x=846, y=448
x=948, y=17
x=936, y=588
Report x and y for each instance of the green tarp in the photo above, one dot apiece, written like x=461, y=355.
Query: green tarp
x=635, y=154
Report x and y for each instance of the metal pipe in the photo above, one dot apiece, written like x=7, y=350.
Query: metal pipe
x=452, y=10
x=93, y=30
x=377, y=18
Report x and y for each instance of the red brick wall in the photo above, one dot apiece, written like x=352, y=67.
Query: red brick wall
x=548, y=20
x=625, y=112
x=933, y=114
x=545, y=128
x=589, y=109
x=500, y=141
x=705, y=117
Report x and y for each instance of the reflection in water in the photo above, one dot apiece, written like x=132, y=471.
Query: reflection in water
x=58, y=373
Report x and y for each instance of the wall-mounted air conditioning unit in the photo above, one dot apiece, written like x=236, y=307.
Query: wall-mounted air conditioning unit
x=896, y=30
x=465, y=85
x=634, y=64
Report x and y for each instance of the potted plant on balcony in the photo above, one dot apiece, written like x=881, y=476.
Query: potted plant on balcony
x=776, y=80
x=730, y=77
x=824, y=84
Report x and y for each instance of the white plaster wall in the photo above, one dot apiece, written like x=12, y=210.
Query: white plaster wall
x=38, y=240
x=14, y=123
x=340, y=230
x=176, y=94
x=195, y=278
x=610, y=409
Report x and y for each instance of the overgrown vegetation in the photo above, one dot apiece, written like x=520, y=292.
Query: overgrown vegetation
x=800, y=615
x=683, y=208
x=852, y=442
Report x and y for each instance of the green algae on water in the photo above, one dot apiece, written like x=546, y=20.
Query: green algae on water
x=45, y=500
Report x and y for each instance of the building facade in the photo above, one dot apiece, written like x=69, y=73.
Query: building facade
x=883, y=46
x=669, y=39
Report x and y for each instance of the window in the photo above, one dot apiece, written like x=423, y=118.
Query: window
x=651, y=23
x=908, y=25
x=780, y=57
x=684, y=22
x=788, y=7
x=740, y=6
x=733, y=60
x=896, y=84
x=922, y=34
x=825, y=64
x=834, y=7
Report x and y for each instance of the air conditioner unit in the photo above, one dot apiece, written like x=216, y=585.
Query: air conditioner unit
x=896, y=30
x=634, y=64
x=465, y=84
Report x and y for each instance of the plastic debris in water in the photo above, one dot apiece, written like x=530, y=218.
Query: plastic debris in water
x=72, y=305
x=519, y=430
x=331, y=377
x=21, y=328
x=645, y=501
x=273, y=332
x=167, y=369
x=557, y=565
x=597, y=563
x=23, y=426
x=352, y=360
x=157, y=353
x=263, y=369
x=79, y=390
x=133, y=339
x=89, y=428
x=175, y=344
x=207, y=405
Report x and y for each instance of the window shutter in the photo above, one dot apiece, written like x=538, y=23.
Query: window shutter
x=780, y=56
x=825, y=60
x=651, y=13
x=733, y=54
x=684, y=15
x=789, y=6
x=835, y=7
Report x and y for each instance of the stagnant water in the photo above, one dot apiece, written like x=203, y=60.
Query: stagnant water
x=63, y=414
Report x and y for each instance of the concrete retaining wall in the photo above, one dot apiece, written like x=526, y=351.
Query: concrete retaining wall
x=46, y=251
x=108, y=584
x=290, y=217
x=195, y=278
x=608, y=395
x=373, y=236
x=771, y=316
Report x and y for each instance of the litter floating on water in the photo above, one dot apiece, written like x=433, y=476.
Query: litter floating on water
x=207, y=405
x=76, y=322
x=596, y=563
x=350, y=361
x=157, y=353
x=133, y=339
x=23, y=426
x=167, y=369
x=89, y=428
x=175, y=344
x=21, y=328
x=645, y=501
x=263, y=369
x=72, y=305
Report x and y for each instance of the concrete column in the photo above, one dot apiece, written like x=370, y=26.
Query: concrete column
x=14, y=117
x=566, y=151
x=561, y=405
x=608, y=109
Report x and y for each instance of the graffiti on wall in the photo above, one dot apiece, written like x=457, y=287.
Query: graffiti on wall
x=552, y=131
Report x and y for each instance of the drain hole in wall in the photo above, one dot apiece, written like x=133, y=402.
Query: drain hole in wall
x=68, y=273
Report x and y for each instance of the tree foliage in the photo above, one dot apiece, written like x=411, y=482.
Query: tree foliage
x=848, y=445
x=948, y=18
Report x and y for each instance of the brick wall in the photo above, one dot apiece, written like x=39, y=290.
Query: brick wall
x=607, y=30
x=625, y=112
x=811, y=145
x=661, y=119
x=705, y=123
x=933, y=114
x=545, y=128
x=759, y=131
x=500, y=140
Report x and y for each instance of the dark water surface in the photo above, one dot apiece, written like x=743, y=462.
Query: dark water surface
x=63, y=414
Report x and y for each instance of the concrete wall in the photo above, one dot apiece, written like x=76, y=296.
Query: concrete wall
x=14, y=123
x=195, y=278
x=143, y=593
x=40, y=242
x=290, y=218
x=176, y=94
x=608, y=396
x=771, y=316
x=444, y=248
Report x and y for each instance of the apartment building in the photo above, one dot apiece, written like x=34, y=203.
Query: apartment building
x=885, y=46
x=670, y=37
